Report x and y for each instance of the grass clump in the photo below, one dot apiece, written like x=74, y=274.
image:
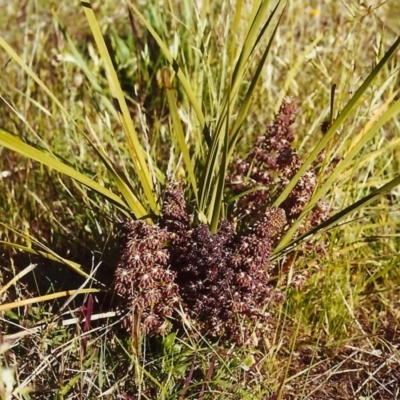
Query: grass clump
x=252, y=266
x=222, y=280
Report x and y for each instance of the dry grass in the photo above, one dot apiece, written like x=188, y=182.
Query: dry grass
x=335, y=338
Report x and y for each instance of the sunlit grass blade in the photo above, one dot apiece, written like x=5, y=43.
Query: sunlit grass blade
x=46, y=159
x=233, y=199
x=212, y=164
x=84, y=67
x=345, y=113
x=71, y=383
x=14, y=56
x=82, y=64
x=257, y=31
x=245, y=105
x=208, y=173
x=47, y=297
x=335, y=219
x=50, y=256
x=17, y=277
x=17, y=145
x=392, y=145
x=257, y=26
x=68, y=386
x=45, y=251
x=135, y=148
x=340, y=168
x=175, y=66
x=178, y=132
x=215, y=205
x=127, y=192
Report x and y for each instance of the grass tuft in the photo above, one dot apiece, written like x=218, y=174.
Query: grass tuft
x=175, y=224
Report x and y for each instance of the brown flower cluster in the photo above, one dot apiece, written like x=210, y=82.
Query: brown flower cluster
x=267, y=170
x=143, y=277
x=265, y=173
x=222, y=281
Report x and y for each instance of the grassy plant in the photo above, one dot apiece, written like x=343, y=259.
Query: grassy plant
x=98, y=116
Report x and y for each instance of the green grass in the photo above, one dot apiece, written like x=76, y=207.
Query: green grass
x=96, y=126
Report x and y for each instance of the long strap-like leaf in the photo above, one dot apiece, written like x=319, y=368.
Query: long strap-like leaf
x=387, y=116
x=17, y=145
x=346, y=112
x=335, y=219
x=136, y=150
